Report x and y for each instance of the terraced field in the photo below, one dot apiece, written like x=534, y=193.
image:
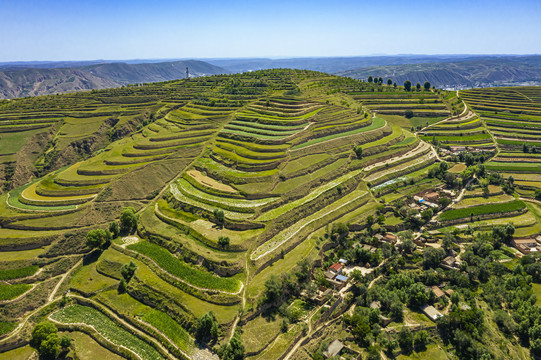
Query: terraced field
x=233, y=180
x=513, y=116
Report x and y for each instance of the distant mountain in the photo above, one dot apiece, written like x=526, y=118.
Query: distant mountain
x=482, y=72
x=39, y=81
x=332, y=64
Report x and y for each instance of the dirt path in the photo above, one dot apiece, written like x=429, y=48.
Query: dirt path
x=55, y=290
x=422, y=146
x=132, y=329
x=343, y=137
x=184, y=281
x=530, y=200
x=303, y=226
x=50, y=299
x=379, y=174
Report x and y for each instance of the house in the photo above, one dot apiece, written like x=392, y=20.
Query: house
x=341, y=278
x=525, y=245
x=336, y=268
x=437, y=291
x=375, y=305
x=431, y=312
x=329, y=275
x=449, y=262
x=390, y=238
x=431, y=196
x=334, y=349
x=449, y=292
x=318, y=298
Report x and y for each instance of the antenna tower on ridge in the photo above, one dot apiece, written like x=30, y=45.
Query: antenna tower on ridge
x=187, y=73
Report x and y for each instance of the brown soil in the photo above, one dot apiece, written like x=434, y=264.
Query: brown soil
x=210, y=182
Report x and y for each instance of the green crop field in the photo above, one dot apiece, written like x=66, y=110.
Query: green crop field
x=482, y=210
x=9, y=292
x=78, y=314
x=176, y=267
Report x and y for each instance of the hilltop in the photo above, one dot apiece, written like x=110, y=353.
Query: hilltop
x=265, y=215
x=479, y=72
x=35, y=81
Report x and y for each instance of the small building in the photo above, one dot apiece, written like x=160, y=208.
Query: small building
x=437, y=291
x=449, y=292
x=390, y=238
x=334, y=349
x=329, y=275
x=449, y=261
x=375, y=305
x=431, y=196
x=379, y=237
x=341, y=278
x=336, y=268
x=431, y=312
x=343, y=261
x=525, y=245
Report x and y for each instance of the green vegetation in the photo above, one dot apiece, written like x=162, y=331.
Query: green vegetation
x=184, y=271
x=211, y=209
x=78, y=314
x=482, y=210
x=9, y=292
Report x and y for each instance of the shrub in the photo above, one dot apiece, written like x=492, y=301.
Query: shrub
x=408, y=114
x=98, y=239
x=128, y=270
x=206, y=328
x=128, y=219
x=223, y=241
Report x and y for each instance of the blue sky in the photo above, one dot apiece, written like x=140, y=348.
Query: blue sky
x=98, y=29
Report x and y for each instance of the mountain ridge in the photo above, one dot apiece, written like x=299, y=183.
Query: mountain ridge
x=40, y=81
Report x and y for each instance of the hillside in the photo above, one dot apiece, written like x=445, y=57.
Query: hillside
x=268, y=214
x=480, y=72
x=38, y=81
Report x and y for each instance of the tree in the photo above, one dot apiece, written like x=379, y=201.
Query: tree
x=395, y=85
x=206, y=328
x=219, y=215
x=427, y=214
x=418, y=86
x=389, y=82
x=223, y=241
x=407, y=246
x=128, y=270
x=358, y=151
x=128, y=219
x=427, y=86
x=397, y=312
x=432, y=257
x=405, y=340
x=50, y=347
x=65, y=342
x=234, y=350
x=370, y=79
x=407, y=85
x=420, y=339
x=98, y=239
x=408, y=114
x=114, y=229
x=41, y=331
